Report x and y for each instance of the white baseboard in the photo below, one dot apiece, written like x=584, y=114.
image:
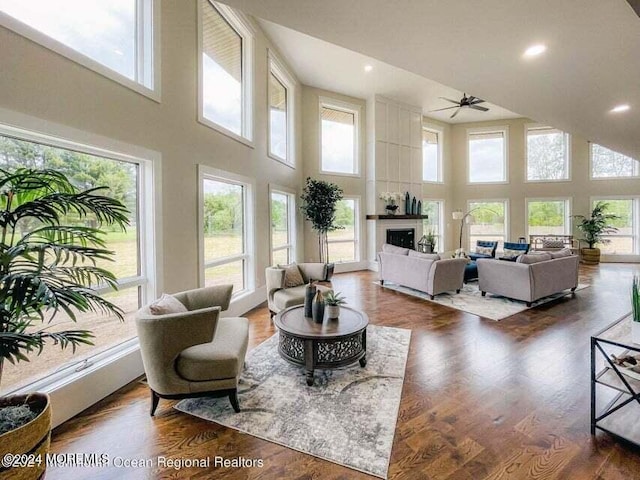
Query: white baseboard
x=350, y=267
x=241, y=305
x=620, y=258
x=373, y=266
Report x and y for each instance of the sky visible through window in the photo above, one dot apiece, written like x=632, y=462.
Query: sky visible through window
x=338, y=147
x=222, y=96
x=486, y=159
x=101, y=30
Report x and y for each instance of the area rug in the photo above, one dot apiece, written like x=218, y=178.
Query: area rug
x=348, y=416
x=470, y=300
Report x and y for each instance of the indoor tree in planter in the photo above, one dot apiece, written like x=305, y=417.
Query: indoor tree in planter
x=47, y=266
x=594, y=228
x=319, y=200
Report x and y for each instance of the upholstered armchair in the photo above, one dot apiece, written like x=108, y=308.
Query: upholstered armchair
x=513, y=250
x=484, y=249
x=279, y=297
x=188, y=350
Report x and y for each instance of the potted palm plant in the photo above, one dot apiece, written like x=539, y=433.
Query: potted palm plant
x=47, y=267
x=594, y=228
x=635, y=304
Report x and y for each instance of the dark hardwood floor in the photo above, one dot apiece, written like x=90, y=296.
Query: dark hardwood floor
x=481, y=399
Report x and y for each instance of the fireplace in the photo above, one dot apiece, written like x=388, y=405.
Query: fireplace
x=402, y=237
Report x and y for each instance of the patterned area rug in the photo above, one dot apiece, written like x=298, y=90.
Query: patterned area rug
x=470, y=300
x=348, y=416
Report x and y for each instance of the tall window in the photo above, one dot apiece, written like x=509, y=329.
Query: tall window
x=344, y=242
x=226, y=231
x=227, y=48
x=431, y=156
x=487, y=162
x=86, y=169
x=549, y=216
x=282, y=228
x=434, y=209
x=606, y=163
x=547, y=154
x=488, y=221
x=627, y=239
x=281, y=124
x=339, y=139
x=116, y=34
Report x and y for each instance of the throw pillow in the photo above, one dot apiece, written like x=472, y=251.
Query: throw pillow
x=167, y=304
x=484, y=250
x=426, y=256
x=508, y=252
x=292, y=275
x=549, y=243
x=533, y=258
x=565, y=252
x=388, y=248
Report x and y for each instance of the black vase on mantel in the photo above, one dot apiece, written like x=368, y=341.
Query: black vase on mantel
x=419, y=211
x=309, y=293
x=318, y=308
x=414, y=206
x=407, y=204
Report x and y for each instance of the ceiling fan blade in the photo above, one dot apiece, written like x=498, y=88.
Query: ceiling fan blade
x=449, y=100
x=456, y=112
x=476, y=101
x=471, y=99
x=445, y=108
x=482, y=109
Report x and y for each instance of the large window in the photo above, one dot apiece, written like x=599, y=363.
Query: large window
x=434, y=209
x=86, y=169
x=282, y=227
x=226, y=42
x=281, y=124
x=226, y=230
x=627, y=239
x=549, y=216
x=606, y=163
x=431, y=156
x=547, y=154
x=487, y=156
x=344, y=242
x=108, y=36
x=488, y=221
x=339, y=138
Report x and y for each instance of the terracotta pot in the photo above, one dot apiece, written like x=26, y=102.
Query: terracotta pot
x=590, y=256
x=32, y=438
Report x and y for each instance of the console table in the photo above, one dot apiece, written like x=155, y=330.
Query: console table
x=621, y=415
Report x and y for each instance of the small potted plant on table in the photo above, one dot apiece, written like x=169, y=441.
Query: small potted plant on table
x=333, y=301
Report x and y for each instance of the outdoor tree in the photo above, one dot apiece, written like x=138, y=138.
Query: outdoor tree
x=546, y=156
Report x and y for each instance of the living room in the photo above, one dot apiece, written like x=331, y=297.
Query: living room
x=183, y=103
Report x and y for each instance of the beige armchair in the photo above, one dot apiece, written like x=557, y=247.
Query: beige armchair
x=193, y=353
x=280, y=298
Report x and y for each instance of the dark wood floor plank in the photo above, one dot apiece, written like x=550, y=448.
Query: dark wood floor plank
x=481, y=399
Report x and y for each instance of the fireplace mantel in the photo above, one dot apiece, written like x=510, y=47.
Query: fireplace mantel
x=397, y=217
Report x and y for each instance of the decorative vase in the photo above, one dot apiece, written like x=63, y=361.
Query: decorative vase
x=309, y=293
x=419, y=212
x=333, y=312
x=414, y=207
x=635, y=332
x=318, y=308
x=407, y=204
x=391, y=209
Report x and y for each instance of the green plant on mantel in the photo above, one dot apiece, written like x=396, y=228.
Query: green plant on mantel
x=635, y=298
x=48, y=258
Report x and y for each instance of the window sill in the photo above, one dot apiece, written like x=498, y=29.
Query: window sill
x=434, y=182
x=559, y=180
x=339, y=174
x=502, y=182
x=282, y=161
x=228, y=133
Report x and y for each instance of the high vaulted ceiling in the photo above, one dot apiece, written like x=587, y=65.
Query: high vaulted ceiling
x=592, y=63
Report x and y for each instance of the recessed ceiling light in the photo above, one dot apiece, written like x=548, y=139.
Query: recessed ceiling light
x=620, y=108
x=368, y=68
x=535, y=50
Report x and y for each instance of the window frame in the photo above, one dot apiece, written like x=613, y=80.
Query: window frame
x=505, y=147
x=245, y=29
x=567, y=153
x=149, y=217
x=290, y=246
x=338, y=105
x=441, y=237
x=356, y=232
x=506, y=202
x=147, y=52
x=635, y=219
x=636, y=166
x=440, y=133
x=278, y=69
x=206, y=172
x=568, y=207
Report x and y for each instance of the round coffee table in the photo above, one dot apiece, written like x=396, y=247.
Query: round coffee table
x=330, y=344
